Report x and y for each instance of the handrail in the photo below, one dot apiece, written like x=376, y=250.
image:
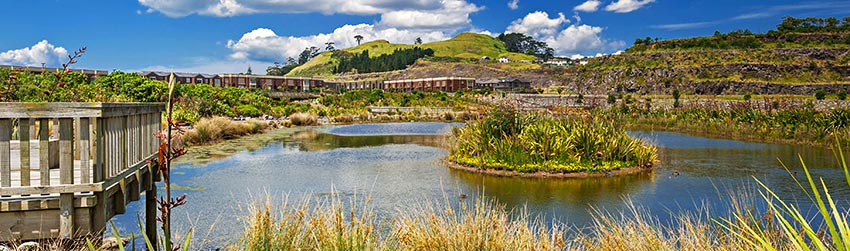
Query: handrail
x=100, y=139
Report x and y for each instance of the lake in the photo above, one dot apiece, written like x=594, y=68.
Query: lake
x=401, y=166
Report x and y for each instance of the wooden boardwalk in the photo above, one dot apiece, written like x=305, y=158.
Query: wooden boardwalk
x=67, y=168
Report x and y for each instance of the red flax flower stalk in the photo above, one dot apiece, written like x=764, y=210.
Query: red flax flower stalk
x=72, y=59
x=168, y=152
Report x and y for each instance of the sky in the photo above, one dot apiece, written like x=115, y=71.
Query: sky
x=228, y=36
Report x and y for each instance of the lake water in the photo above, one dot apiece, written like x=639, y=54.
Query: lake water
x=401, y=166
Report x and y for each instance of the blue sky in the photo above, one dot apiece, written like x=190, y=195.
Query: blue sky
x=220, y=36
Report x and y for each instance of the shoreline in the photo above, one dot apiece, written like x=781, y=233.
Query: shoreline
x=545, y=175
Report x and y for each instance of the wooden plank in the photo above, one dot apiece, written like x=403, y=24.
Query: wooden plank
x=24, y=136
x=44, y=150
x=85, y=151
x=75, y=110
x=66, y=215
x=54, y=189
x=5, y=153
x=66, y=151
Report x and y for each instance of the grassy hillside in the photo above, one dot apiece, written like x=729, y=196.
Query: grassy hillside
x=465, y=46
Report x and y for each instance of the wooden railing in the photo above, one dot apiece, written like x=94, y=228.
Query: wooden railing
x=99, y=144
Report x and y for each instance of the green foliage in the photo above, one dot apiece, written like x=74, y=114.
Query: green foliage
x=248, y=111
x=527, y=143
x=820, y=95
x=611, y=99
x=521, y=43
x=747, y=96
x=842, y=95
x=676, y=96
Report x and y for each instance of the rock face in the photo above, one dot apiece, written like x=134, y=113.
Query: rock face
x=762, y=71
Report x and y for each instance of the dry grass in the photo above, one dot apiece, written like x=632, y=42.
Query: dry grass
x=215, y=129
x=304, y=119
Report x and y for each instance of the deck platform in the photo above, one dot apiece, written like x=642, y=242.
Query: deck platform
x=67, y=168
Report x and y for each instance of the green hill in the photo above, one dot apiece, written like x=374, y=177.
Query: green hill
x=465, y=46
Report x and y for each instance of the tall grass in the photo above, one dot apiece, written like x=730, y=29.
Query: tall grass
x=215, y=129
x=528, y=143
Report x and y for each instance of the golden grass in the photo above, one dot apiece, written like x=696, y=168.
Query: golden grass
x=215, y=129
x=304, y=119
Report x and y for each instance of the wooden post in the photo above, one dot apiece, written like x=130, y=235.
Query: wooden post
x=99, y=174
x=66, y=176
x=150, y=205
x=5, y=153
x=43, y=150
x=24, y=136
x=85, y=151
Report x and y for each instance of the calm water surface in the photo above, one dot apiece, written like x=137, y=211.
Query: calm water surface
x=401, y=166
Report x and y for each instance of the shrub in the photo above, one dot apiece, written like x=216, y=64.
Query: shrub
x=747, y=96
x=820, y=95
x=186, y=116
x=304, y=119
x=612, y=99
x=248, y=111
x=842, y=95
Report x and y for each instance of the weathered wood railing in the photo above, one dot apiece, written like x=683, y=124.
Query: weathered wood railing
x=103, y=150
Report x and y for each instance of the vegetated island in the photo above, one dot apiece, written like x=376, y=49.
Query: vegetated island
x=509, y=143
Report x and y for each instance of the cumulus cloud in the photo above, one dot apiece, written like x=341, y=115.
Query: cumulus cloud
x=626, y=6
x=574, y=39
x=538, y=24
x=513, y=4
x=41, y=52
x=263, y=44
x=577, y=39
x=419, y=14
x=452, y=14
x=589, y=6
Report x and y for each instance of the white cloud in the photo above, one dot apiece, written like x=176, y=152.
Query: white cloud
x=574, y=39
x=625, y=6
x=41, y=52
x=263, y=44
x=682, y=26
x=589, y=6
x=418, y=14
x=513, y=4
x=577, y=39
x=212, y=67
x=538, y=24
x=452, y=15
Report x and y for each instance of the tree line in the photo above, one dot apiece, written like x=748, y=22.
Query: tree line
x=363, y=63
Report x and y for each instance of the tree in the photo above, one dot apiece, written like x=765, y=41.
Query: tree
x=521, y=43
x=307, y=54
x=329, y=46
x=358, y=38
x=418, y=41
x=249, y=72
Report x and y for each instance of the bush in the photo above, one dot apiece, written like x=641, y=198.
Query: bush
x=304, y=119
x=820, y=95
x=612, y=99
x=248, y=111
x=842, y=95
x=747, y=96
x=186, y=116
